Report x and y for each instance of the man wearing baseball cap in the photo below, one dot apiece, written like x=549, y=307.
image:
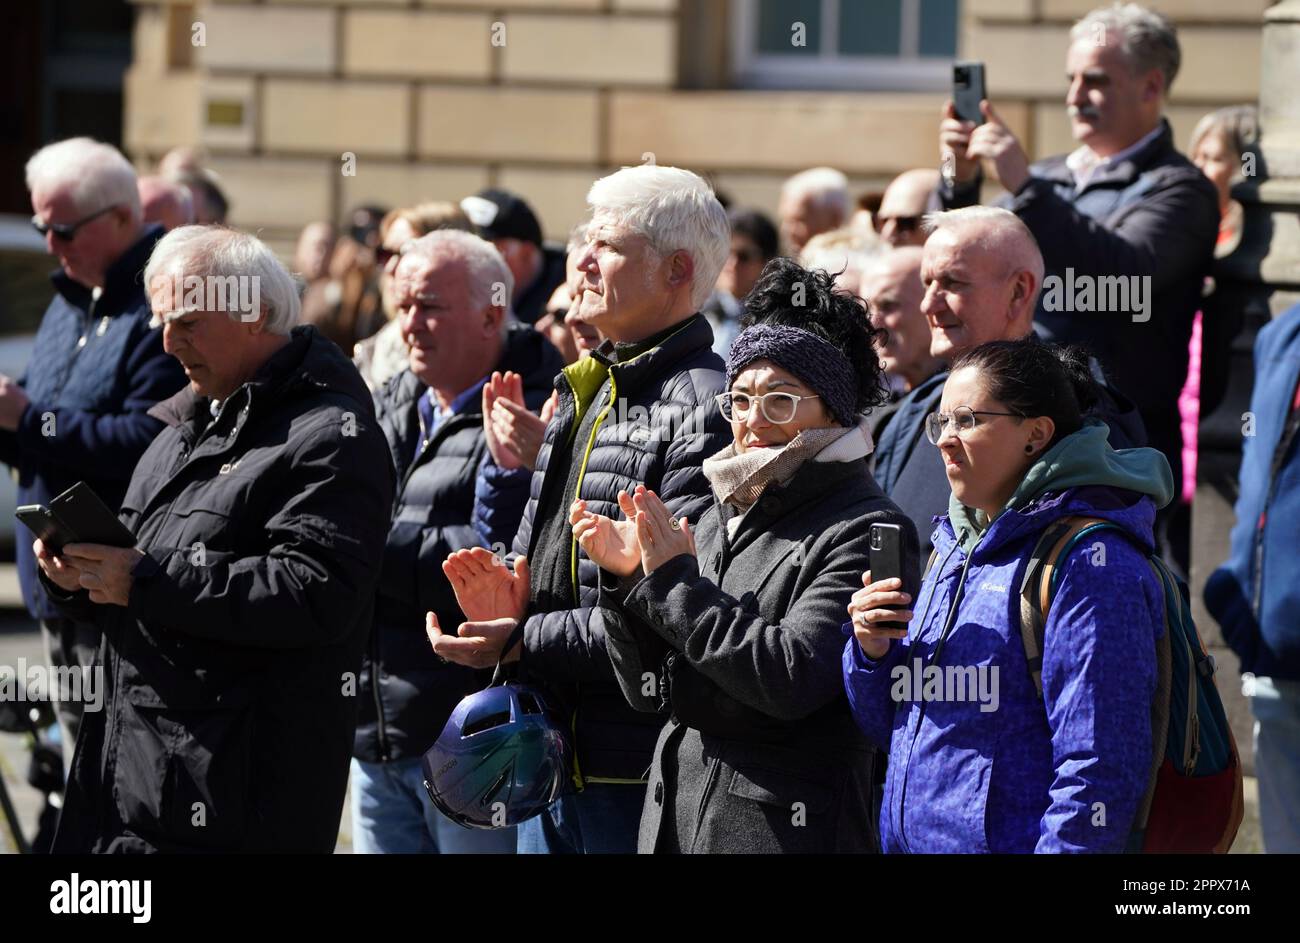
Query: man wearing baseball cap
x=509, y=223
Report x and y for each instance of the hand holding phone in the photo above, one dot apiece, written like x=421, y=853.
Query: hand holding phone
x=887, y=561
x=57, y=569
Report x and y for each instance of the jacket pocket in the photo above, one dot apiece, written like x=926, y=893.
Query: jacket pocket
x=779, y=788
x=758, y=809
x=184, y=772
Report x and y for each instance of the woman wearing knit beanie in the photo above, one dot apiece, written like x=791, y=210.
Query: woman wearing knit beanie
x=733, y=624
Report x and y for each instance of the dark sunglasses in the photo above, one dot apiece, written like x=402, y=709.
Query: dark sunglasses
x=902, y=223
x=67, y=231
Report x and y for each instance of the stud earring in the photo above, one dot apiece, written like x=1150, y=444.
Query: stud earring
x=1029, y=450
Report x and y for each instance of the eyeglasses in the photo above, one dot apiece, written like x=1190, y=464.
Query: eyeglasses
x=777, y=408
x=962, y=418
x=901, y=223
x=67, y=231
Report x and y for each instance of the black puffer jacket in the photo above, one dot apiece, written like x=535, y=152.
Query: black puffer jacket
x=231, y=673
x=403, y=715
x=655, y=421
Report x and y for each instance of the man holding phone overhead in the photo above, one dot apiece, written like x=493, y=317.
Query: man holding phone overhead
x=1123, y=211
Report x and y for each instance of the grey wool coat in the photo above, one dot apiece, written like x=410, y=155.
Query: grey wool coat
x=741, y=647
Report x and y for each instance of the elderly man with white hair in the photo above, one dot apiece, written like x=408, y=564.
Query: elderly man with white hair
x=1123, y=209
x=640, y=409
x=450, y=291
x=81, y=411
x=234, y=626
x=813, y=202
x=982, y=272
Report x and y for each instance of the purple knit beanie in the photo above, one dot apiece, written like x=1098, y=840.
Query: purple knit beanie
x=815, y=361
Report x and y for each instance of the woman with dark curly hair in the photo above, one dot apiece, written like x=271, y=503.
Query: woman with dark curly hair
x=734, y=625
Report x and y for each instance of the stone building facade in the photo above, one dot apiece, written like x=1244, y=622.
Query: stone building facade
x=436, y=98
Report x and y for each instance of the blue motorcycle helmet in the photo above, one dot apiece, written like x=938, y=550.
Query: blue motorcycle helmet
x=501, y=758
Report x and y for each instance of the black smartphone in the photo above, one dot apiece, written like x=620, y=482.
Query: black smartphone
x=78, y=515
x=968, y=90
x=887, y=560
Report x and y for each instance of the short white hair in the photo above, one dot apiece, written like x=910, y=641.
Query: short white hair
x=675, y=210
x=486, y=270
x=95, y=174
x=217, y=253
x=997, y=230
x=828, y=188
x=1147, y=38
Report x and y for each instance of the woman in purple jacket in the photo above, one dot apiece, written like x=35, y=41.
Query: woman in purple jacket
x=978, y=760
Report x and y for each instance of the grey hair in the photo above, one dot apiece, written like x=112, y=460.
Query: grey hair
x=675, y=210
x=1147, y=38
x=217, y=255
x=96, y=174
x=484, y=266
x=828, y=187
x=1001, y=232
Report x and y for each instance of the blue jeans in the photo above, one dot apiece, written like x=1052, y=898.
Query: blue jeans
x=393, y=814
x=1276, y=705
x=601, y=820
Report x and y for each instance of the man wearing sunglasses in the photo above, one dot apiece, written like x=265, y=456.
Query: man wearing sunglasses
x=981, y=272
x=911, y=195
x=80, y=412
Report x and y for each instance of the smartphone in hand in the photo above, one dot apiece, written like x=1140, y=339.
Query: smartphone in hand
x=78, y=515
x=968, y=90
x=886, y=548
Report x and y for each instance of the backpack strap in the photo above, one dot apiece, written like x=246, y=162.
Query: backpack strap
x=1040, y=579
x=1161, y=703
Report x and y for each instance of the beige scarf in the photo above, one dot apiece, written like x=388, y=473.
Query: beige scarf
x=739, y=479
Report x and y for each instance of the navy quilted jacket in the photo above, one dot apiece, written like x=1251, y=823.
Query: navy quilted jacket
x=403, y=714
x=96, y=370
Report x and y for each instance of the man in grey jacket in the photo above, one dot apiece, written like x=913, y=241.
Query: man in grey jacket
x=1126, y=224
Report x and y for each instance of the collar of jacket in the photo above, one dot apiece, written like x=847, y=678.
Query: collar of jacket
x=1126, y=171
x=636, y=364
x=905, y=429
x=308, y=361
x=121, y=281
